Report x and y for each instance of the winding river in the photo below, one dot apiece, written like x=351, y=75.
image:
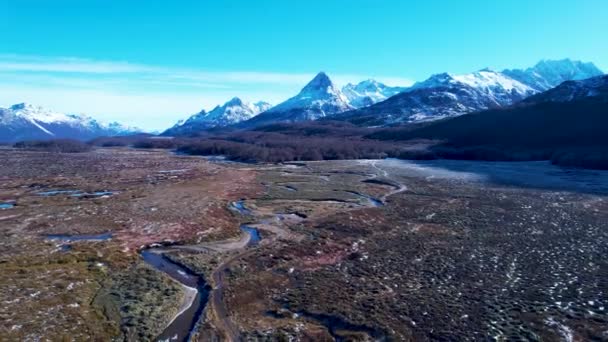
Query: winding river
x=184, y=323
x=197, y=291
x=182, y=326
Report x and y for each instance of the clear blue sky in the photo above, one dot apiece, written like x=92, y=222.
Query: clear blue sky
x=151, y=62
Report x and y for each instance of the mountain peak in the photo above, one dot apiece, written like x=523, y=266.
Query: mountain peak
x=548, y=73
x=262, y=106
x=235, y=101
x=20, y=106
x=370, y=81
x=320, y=82
x=261, y=103
x=549, y=62
x=368, y=92
x=565, y=64
x=369, y=84
x=317, y=99
x=321, y=75
x=436, y=80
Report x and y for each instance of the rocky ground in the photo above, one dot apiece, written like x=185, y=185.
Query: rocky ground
x=350, y=250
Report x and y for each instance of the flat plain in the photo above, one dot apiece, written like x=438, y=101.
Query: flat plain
x=336, y=250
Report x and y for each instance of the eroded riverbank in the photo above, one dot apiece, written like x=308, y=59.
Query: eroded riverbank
x=196, y=291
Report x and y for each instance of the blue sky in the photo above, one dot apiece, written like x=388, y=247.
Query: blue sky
x=150, y=63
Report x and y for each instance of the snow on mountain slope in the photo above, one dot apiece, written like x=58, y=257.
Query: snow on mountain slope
x=319, y=98
x=548, y=74
x=421, y=104
x=262, y=106
x=442, y=95
x=498, y=87
x=25, y=121
x=368, y=92
x=232, y=112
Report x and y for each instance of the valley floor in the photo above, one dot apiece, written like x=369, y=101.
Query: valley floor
x=348, y=250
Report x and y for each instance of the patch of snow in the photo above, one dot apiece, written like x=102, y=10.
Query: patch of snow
x=565, y=331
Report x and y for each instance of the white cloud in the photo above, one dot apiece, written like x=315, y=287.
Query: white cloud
x=150, y=97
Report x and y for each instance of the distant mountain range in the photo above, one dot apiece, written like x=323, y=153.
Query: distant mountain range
x=445, y=95
x=367, y=104
x=441, y=96
x=318, y=99
x=27, y=122
x=371, y=103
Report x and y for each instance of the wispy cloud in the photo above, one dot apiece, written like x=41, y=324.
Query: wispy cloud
x=152, y=97
x=66, y=65
x=72, y=65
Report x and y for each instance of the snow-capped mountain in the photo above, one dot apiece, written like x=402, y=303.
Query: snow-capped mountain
x=319, y=98
x=446, y=95
x=27, y=122
x=548, y=74
x=231, y=112
x=368, y=92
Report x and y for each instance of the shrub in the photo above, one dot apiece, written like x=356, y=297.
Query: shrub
x=276, y=147
x=58, y=145
x=163, y=143
x=585, y=158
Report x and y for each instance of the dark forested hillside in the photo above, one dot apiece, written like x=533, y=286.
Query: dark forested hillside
x=568, y=133
x=579, y=123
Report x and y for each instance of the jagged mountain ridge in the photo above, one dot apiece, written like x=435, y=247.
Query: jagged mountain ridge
x=595, y=88
x=421, y=104
x=499, y=88
x=445, y=95
x=548, y=74
x=368, y=92
x=371, y=103
x=230, y=113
